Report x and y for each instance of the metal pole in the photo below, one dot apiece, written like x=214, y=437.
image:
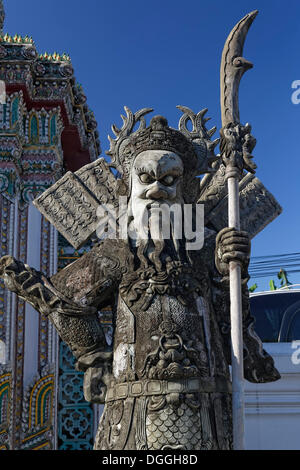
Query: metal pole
x=236, y=324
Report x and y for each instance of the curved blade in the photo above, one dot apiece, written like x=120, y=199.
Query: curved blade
x=233, y=67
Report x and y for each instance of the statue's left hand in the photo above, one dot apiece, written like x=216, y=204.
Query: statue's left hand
x=232, y=245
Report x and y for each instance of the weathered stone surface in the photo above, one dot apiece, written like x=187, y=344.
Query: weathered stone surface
x=71, y=203
x=258, y=207
x=165, y=379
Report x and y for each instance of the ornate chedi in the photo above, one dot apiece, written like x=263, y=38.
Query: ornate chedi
x=165, y=377
x=46, y=128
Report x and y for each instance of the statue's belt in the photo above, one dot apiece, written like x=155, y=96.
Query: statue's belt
x=163, y=387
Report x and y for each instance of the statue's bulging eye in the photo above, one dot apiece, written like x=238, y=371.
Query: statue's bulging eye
x=146, y=178
x=168, y=180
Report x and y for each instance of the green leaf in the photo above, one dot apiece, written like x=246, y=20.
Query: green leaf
x=252, y=288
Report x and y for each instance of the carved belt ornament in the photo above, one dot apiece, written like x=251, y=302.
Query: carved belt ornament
x=163, y=387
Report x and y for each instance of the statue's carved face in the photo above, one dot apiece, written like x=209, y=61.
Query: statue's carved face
x=156, y=180
x=157, y=176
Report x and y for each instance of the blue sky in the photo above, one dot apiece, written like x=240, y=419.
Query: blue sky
x=163, y=53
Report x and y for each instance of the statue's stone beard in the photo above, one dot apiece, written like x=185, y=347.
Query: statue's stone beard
x=163, y=264
x=151, y=246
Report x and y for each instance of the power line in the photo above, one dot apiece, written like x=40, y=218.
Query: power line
x=275, y=256
x=270, y=265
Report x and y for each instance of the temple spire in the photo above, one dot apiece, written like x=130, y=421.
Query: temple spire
x=2, y=16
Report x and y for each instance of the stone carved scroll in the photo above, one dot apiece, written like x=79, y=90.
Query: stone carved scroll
x=258, y=207
x=71, y=203
x=100, y=181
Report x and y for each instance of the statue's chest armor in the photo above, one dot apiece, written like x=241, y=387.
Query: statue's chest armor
x=162, y=335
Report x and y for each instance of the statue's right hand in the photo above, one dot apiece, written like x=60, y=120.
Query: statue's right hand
x=5, y=261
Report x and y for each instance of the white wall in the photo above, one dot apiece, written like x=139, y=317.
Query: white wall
x=272, y=410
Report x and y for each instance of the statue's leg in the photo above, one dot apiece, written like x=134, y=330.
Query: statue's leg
x=222, y=408
x=189, y=422
x=115, y=425
x=173, y=425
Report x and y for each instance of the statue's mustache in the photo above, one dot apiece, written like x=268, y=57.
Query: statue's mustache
x=174, y=222
x=156, y=221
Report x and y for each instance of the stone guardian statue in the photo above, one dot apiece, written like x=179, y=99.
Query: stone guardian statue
x=165, y=379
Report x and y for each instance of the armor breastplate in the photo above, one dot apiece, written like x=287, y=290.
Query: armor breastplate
x=166, y=342
x=164, y=379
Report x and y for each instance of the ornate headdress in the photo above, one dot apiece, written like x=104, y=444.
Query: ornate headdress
x=194, y=147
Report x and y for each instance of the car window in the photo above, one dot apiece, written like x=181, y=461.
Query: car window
x=269, y=310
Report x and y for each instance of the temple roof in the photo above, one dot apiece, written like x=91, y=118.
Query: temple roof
x=47, y=80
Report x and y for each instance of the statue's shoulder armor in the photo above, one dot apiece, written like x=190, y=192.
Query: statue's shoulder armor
x=101, y=269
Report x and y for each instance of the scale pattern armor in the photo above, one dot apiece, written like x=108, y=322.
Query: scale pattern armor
x=174, y=428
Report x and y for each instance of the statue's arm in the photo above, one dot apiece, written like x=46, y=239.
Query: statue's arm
x=71, y=299
x=235, y=245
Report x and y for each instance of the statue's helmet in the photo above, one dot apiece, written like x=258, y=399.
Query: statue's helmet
x=195, y=148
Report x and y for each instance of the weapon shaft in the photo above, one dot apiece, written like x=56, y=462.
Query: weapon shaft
x=233, y=66
x=236, y=324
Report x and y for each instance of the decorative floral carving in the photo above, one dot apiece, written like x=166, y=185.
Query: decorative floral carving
x=29, y=52
x=66, y=70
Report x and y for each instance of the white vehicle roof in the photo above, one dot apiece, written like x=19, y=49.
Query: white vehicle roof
x=290, y=289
